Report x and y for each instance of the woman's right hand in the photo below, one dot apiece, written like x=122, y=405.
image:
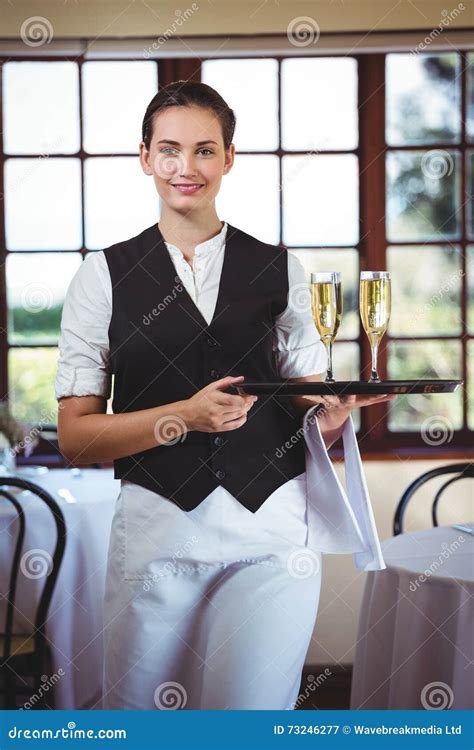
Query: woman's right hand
x=211, y=410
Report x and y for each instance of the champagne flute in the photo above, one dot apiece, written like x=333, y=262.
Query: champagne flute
x=326, y=305
x=375, y=302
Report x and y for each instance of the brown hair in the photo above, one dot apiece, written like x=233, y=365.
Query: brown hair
x=184, y=94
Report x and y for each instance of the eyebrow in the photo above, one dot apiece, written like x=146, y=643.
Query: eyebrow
x=177, y=143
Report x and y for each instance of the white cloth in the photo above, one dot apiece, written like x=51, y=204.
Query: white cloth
x=415, y=639
x=339, y=522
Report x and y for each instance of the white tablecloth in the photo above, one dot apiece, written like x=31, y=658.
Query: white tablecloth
x=75, y=623
x=415, y=635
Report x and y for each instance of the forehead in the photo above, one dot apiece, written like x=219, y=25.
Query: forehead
x=187, y=124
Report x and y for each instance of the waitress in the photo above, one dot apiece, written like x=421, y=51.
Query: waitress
x=206, y=604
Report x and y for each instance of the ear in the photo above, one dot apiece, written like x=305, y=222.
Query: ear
x=145, y=159
x=229, y=159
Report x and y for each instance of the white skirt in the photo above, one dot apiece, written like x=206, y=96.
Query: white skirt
x=212, y=608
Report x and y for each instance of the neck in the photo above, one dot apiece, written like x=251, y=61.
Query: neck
x=190, y=229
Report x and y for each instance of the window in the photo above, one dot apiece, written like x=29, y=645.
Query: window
x=359, y=162
x=428, y=226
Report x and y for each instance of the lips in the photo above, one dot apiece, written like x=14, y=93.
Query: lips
x=187, y=189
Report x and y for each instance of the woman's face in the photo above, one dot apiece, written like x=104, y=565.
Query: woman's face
x=187, y=157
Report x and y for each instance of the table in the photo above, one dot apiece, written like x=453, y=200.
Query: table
x=415, y=632
x=75, y=622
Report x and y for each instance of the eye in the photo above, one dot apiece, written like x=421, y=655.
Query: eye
x=206, y=149
x=167, y=149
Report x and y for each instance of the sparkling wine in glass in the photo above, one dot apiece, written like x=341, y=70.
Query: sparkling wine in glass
x=375, y=303
x=326, y=305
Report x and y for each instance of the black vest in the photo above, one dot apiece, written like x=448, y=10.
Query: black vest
x=162, y=350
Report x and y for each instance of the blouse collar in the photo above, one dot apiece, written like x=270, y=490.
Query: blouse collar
x=204, y=248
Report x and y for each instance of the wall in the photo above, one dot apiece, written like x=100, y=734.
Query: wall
x=115, y=18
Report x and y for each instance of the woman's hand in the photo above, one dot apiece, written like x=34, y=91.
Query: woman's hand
x=334, y=410
x=211, y=410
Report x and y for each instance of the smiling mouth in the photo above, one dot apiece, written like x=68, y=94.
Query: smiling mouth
x=187, y=189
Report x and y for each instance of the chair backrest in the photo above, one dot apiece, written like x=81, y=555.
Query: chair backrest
x=48, y=589
x=461, y=470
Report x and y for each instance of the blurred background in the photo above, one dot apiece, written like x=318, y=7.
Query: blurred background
x=355, y=149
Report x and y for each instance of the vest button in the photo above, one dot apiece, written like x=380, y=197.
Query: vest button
x=214, y=374
x=210, y=341
x=218, y=440
x=220, y=474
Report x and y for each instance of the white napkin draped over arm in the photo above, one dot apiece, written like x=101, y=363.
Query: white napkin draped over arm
x=339, y=521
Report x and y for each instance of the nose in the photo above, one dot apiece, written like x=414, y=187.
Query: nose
x=187, y=168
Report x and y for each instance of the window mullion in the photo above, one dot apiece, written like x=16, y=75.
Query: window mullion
x=372, y=245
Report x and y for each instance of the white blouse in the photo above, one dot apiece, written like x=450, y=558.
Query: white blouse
x=337, y=522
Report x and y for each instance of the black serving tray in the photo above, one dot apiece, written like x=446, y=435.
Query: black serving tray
x=347, y=387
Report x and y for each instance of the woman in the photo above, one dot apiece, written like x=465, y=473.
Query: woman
x=205, y=605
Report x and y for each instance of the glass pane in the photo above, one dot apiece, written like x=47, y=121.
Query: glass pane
x=116, y=95
x=470, y=97
x=417, y=412
x=31, y=384
x=319, y=103
x=470, y=375
x=242, y=201
x=423, y=195
x=121, y=201
x=470, y=289
x=347, y=263
x=43, y=204
x=320, y=200
x=36, y=287
x=426, y=291
x=470, y=184
x=250, y=87
x=423, y=98
x=41, y=101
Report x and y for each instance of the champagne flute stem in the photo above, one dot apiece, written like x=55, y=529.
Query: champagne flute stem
x=374, y=376
x=329, y=375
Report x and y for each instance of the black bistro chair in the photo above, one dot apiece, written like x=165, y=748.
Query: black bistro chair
x=26, y=657
x=461, y=471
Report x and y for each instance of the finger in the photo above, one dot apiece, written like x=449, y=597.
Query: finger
x=233, y=424
x=234, y=402
x=224, y=383
x=370, y=400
